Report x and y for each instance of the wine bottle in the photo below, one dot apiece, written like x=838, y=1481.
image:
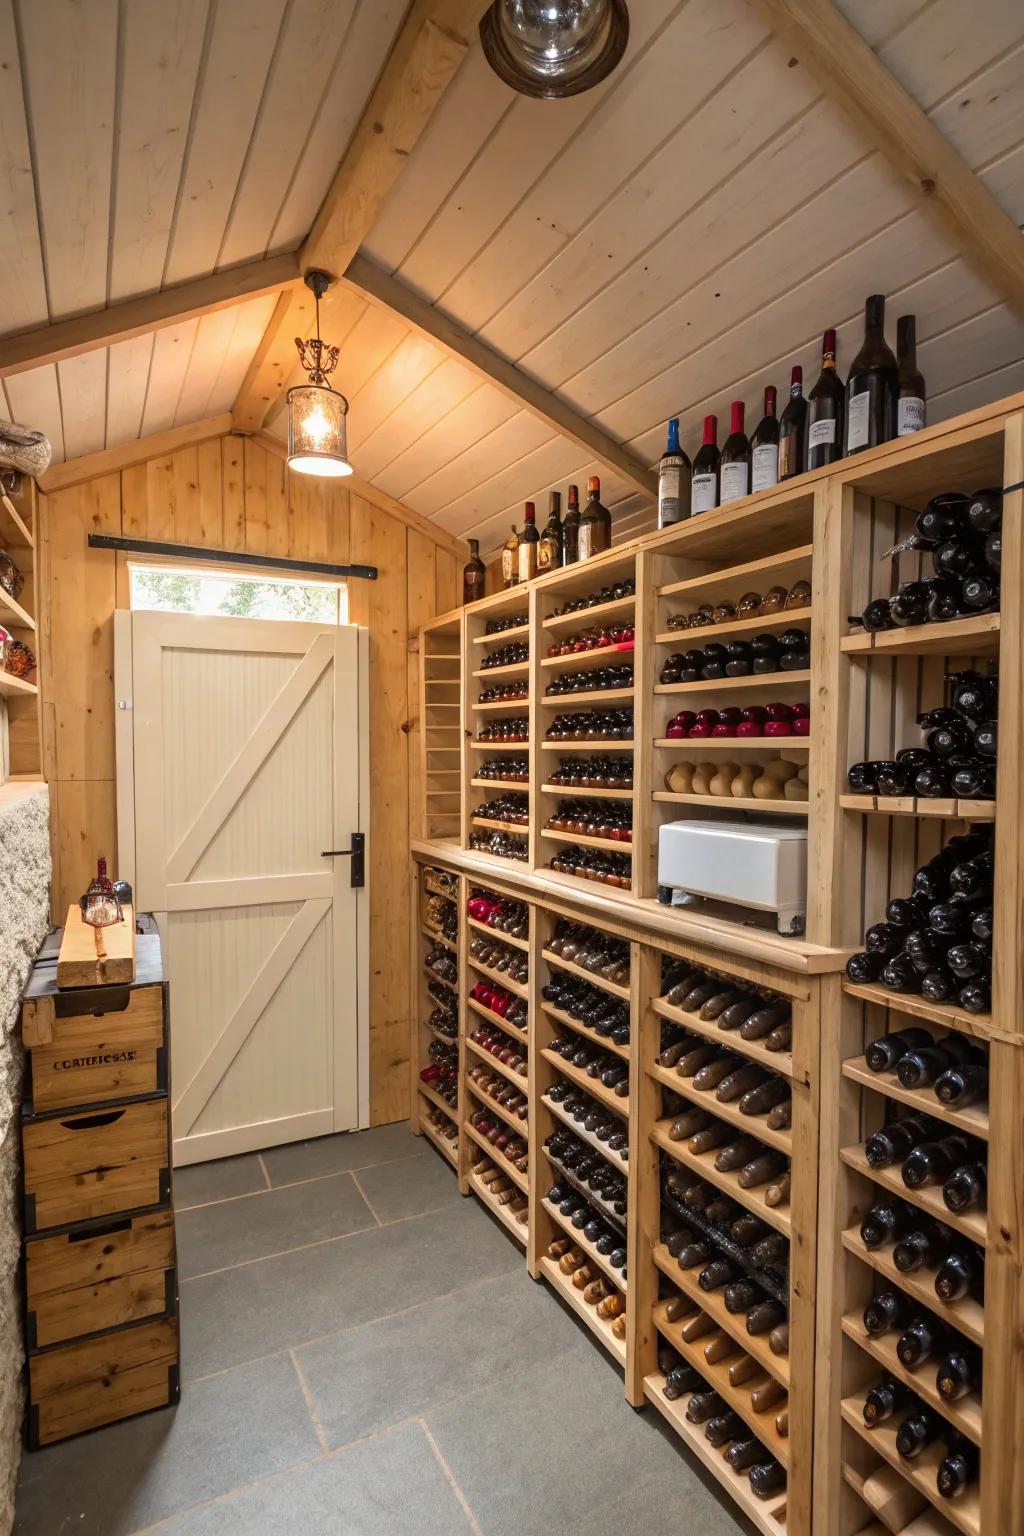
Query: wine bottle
x=704, y=485
x=917, y=1432
x=965, y=1188
x=474, y=574
x=595, y=524
x=510, y=560
x=918, y=1342
x=571, y=528
x=549, y=550
x=871, y=387
x=528, y=542
x=765, y=1317
x=825, y=410
x=883, y=1400
x=922, y=1066
x=961, y=1273
x=924, y=1245
x=674, y=473
x=958, y=1469
x=764, y=446
x=888, y=1310
x=793, y=428
x=932, y=1162
x=883, y=1054
x=734, y=467
x=962, y=1085
x=895, y=1140
x=910, y=404
x=959, y=1372
x=885, y=1222
x=766, y=1478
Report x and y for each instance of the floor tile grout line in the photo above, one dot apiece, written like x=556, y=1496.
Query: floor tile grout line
x=336, y=1333
x=369, y=1202
x=263, y=1169
x=340, y=1237
x=449, y=1478
x=315, y=1178
x=313, y=1415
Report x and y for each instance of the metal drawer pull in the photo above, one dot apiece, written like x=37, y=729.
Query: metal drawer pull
x=357, y=853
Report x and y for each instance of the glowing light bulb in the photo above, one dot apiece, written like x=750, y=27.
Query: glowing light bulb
x=316, y=426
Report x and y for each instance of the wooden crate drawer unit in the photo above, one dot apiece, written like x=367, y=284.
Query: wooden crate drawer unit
x=94, y=1045
x=101, y=1380
x=98, y=1276
x=81, y=1166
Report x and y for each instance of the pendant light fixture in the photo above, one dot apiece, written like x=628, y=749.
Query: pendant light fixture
x=317, y=428
x=552, y=48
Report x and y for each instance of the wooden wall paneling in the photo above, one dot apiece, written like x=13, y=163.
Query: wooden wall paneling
x=232, y=479
x=255, y=466
x=421, y=580
x=447, y=581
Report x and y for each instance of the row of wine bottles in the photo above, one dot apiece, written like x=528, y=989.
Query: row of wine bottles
x=530, y=551
x=920, y=1428
x=883, y=397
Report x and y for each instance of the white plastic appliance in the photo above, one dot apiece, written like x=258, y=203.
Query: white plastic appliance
x=755, y=864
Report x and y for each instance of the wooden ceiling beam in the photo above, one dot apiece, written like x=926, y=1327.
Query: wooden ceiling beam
x=376, y=285
x=149, y=312
x=108, y=461
x=428, y=49
x=851, y=75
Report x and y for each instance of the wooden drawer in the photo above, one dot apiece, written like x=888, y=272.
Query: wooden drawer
x=98, y=1381
x=79, y=1167
x=94, y=1045
x=98, y=1277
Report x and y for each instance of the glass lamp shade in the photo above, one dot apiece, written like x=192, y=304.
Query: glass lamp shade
x=552, y=48
x=317, y=431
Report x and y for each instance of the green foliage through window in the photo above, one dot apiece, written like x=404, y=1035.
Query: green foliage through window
x=165, y=590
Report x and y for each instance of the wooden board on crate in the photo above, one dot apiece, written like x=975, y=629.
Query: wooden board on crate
x=98, y=1381
x=96, y=957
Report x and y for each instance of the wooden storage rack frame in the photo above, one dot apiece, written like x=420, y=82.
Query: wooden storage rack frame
x=19, y=535
x=832, y=526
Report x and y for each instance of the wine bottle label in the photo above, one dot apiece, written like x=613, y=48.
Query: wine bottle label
x=669, y=485
x=858, y=420
x=822, y=432
x=703, y=493
x=527, y=561
x=734, y=481
x=909, y=415
x=764, y=466
x=544, y=553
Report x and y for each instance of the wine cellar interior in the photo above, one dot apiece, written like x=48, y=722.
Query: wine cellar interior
x=511, y=808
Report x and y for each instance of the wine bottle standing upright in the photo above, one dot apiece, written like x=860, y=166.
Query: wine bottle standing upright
x=549, y=550
x=474, y=574
x=910, y=403
x=529, y=539
x=825, y=410
x=595, y=524
x=510, y=560
x=734, y=466
x=674, y=473
x=793, y=428
x=872, y=385
x=764, y=446
x=704, y=486
x=571, y=527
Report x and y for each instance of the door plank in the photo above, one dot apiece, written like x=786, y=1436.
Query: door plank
x=247, y=891
x=246, y=1016
x=249, y=760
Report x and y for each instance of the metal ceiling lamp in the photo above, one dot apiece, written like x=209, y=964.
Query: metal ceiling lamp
x=552, y=48
x=317, y=427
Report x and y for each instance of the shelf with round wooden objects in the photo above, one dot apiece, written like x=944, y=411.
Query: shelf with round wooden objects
x=488, y=1059
x=599, y=1327
x=755, y=1345
x=495, y=1018
x=731, y=1114
x=734, y=803
x=585, y=1246
x=690, y=746
x=494, y=1153
x=703, y=1165
x=500, y=978
x=507, y=1217
x=756, y=1050
x=768, y=624
x=449, y=1150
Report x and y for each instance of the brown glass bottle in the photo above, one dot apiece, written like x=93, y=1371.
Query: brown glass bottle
x=872, y=385
x=529, y=540
x=571, y=527
x=825, y=410
x=510, y=561
x=911, y=394
x=549, y=550
x=474, y=574
x=595, y=524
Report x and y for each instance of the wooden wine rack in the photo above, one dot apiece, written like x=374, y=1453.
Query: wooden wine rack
x=830, y=527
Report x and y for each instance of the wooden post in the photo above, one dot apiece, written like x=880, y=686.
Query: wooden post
x=644, y=1184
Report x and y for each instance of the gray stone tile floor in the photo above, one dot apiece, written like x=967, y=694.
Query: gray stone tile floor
x=364, y=1354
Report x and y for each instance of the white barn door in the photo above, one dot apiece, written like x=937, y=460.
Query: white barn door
x=249, y=783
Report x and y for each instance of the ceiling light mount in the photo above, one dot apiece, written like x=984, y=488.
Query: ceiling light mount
x=554, y=48
x=317, y=426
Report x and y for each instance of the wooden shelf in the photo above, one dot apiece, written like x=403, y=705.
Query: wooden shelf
x=694, y=639
x=778, y=1061
x=964, y=1414
x=967, y=1315
x=591, y=1085
x=615, y=1158
x=516, y=1126
x=439, y=1034
x=449, y=1150
x=16, y=687
x=513, y=669
x=768, y=1515
x=497, y=1158
x=754, y=1345
x=437, y=937
x=13, y=528
x=580, y=841
x=516, y=632
x=592, y=696
x=717, y=1376
x=12, y=613
x=732, y=581
x=703, y=1164
x=772, y=745
x=947, y=1015
x=496, y=933
x=616, y=989
x=771, y=680
x=734, y=803
x=911, y=805
x=584, y=618
x=494, y=746
x=560, y=1017
x=517, y=988
x=517, y=1228
x=964, y=1513
x=587, y=794
x=973, y=1120
x=970, y=1224
x=601, y=1329
x=624, y=745
x=495, y=1018
x=754, y=1125
x=977, y=636
x=517, y=1079
x=584, y=1245
x=519, y=828
x=497, y=706
x=453, y=986
x=446, y=1109
x=580, y=658
x=519, y=784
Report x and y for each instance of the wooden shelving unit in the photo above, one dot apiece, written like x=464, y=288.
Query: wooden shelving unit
x=441, y=668
x=438, y=894
x=866, y=690
x=20, y=697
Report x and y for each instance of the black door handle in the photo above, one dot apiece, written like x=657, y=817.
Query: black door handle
x=357, y=853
